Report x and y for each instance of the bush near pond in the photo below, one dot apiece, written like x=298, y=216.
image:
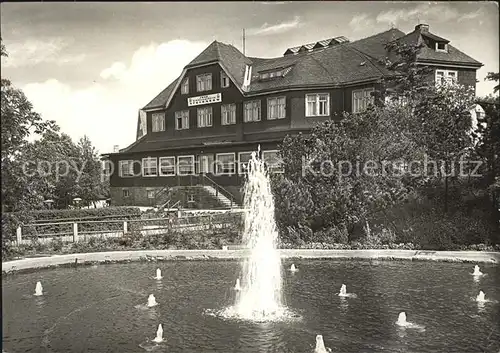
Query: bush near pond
x=207, y=239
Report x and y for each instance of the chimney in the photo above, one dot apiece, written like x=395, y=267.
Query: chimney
x=422, y=27
x=116, y=148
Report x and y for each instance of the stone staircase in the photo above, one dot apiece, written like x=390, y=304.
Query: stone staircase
x=220, y=197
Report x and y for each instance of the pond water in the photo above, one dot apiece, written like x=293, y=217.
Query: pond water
x=103, y=308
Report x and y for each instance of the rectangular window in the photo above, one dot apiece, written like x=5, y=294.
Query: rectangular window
x=182, y=120
x=443, y=47
x=243, y=158
x=204, y=82
x=149, y=166
x=151, y=193
x=276, y=108
x=228, y=114
x=185, y=86
x=125, y=193
x=273, y=161
x=185, y=165
x=158, y=122
x=446, y=77
x=126, y=168
x=225, y=163
x=317, y=104
x=204, y=117
x=251, y=111
x=167, y=166
x=361, y=99
x=224, y=80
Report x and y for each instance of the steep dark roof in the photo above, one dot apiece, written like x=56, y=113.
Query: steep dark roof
x=161, y=99
x=374, y=46
x=228, y=55
x=344, y=63
x=434, y=37
x=426, y=53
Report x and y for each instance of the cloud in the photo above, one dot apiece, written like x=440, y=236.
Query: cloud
x=361, y=21
x=267, y=29
x=106, y=111
x=35, y=51
x=441, y=12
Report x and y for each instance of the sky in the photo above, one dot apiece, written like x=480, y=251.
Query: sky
x=92, y=66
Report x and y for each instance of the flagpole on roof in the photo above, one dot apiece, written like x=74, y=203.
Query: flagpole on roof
x=243, y=41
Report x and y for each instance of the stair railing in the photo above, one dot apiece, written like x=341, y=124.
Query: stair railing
x=218, y=188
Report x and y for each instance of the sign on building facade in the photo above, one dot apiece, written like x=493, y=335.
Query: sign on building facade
x=207, y=99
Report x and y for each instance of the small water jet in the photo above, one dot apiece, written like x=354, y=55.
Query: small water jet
x=406, y=324
x=293, y=268
x=38, y=289
x=237, y=286
x=343, y=292
x=320, y=345
x=152, y=301
x=158, y=274
x=481, y=297
x=159, y=334
x=402, y=319
x=477, y=271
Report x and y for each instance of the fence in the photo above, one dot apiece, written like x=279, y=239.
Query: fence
x=74, y=231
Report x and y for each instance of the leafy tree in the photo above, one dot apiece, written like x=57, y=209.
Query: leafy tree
x=54, y=160
x=343, y=173
x=406, y=80
x=90, y=186
x=18, y=121
x=442, y=127
x=493, y=76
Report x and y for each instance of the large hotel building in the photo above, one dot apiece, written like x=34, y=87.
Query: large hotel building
x=195, y=137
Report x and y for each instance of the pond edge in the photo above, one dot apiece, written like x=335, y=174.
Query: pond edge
x=36, y=263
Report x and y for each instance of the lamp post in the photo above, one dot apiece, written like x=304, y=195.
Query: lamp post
x=49, y=203
x=76, y=201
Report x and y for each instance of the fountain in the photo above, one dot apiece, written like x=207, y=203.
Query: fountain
x=480, y=297
x=320, y=345
x=260, y=297
x=402, y=319
x=159, y=334
x=293, y=268
x=38, y=289
x=477, y=271
x=237, y=286
x=158, y=274
x=152, y=301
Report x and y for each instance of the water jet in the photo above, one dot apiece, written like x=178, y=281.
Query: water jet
x=477, y=271
x=481, y=297
x=38, y=289
x=320, y=345
x=159, y=334
x=152, y=301
x=158, y=274
x=260, y=297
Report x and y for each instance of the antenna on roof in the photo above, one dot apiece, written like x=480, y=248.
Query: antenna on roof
x=243, y=41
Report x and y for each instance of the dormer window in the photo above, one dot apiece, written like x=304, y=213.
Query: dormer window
x=185, y=86
x=274, y=73
x=442, y=47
